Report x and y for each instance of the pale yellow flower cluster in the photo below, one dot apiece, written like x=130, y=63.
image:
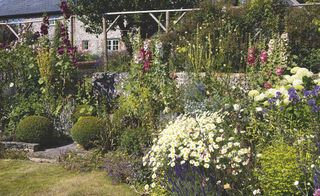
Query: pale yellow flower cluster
x=289, y=81
x=201, y=141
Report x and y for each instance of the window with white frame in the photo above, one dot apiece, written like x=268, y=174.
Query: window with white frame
x=113, y=44
x=85, y=44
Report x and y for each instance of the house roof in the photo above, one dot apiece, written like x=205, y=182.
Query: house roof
x=20, y=8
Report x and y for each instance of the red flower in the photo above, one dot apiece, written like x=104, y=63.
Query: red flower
x=264, y=56
x=146, y=58
x=64, y=8
x=279, y=71
x=61, y=50
x=251, y=59
x=267, y=85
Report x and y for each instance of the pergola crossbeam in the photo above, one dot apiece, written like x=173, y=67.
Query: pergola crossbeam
x=178, y=20
x=13, y=31
x=151, y=11
x=112, y=24
x=159, y=23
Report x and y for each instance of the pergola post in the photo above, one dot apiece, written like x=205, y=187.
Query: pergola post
x=72, y=25
x=105, y=39
x=167, y=21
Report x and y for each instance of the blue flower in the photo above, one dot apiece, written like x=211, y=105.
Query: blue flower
x=307, y=93
x=293, y=95
x=316, y=91
x=313, y=104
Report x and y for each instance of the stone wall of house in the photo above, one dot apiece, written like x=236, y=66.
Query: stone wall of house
x=95, y=41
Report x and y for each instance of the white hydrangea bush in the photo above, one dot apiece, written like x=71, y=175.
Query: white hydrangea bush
x=203, y=140
x=282, y=90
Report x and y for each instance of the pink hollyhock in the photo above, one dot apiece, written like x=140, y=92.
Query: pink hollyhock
x=251, y=59
x=317, y=193
x=267, y=85
x=264, y=56
x=279, y=71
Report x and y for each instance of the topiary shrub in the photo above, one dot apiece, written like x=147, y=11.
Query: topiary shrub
x=35, y=129
x=279, y=170
x=87, y=130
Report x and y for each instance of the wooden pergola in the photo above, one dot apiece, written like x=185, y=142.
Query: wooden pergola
x=165, y=27
x=30, y=22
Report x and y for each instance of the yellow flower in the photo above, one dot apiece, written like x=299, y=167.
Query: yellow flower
x=227, y=186
x=253, y=93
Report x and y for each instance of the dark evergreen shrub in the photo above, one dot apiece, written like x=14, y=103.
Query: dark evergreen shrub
x=35, y=129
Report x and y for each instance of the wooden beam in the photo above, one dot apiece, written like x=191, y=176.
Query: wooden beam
x=105, y=38
x=29, y=26
x=27, y=21
x=12, y=30
x=72, y=26
x=151, y=11
x=167, y=21
x=178, y=20
x=157, y=21
x=111, y=25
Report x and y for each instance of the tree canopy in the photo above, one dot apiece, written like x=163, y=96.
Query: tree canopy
x=90, y=12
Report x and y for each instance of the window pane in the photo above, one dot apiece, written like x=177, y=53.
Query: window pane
x=115, y=45
x=85, y=44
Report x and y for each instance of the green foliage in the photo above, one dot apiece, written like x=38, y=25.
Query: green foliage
x=279, y=170
x=23, y=107
x=87, y=131
x=35, y=129
x=125, y=169
x=82, y=110
x=304, y=35
x=135, y=141
x=118, y=62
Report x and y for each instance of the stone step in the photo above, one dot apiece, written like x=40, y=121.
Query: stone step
x=21, y=146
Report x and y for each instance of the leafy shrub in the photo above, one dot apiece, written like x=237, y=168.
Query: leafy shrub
x=82, y=110
x=123, y=168
x=35, y=129
x=135, y=141
x=279, y=170
x=119, y=62
x=87, y=130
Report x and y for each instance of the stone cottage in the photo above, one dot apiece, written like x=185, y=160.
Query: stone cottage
x=15, y=13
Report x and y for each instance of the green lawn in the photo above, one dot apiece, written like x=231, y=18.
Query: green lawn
x=28, y=178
